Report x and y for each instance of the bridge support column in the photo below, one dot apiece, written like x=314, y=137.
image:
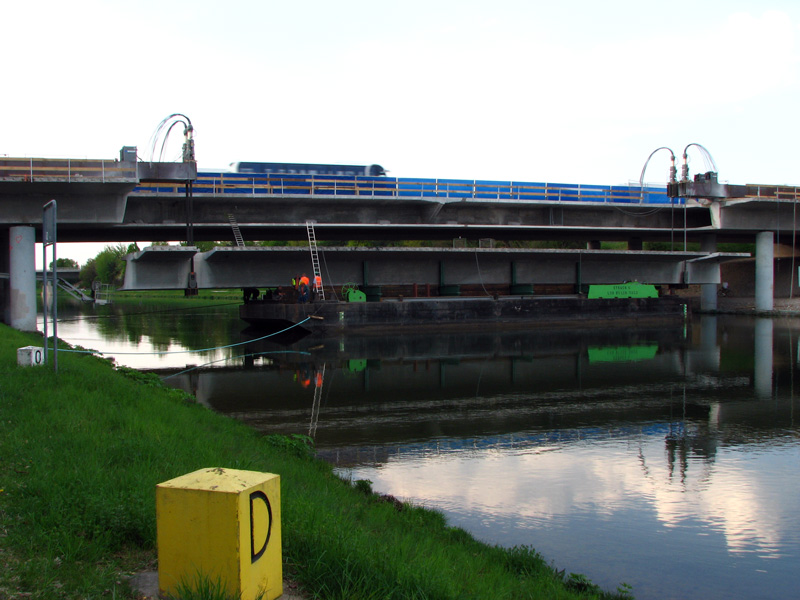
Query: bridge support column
x=765, y=253
x=22, y=278
x=708, y=291
x=5, y=309
x=635, y=243
x=593, y=245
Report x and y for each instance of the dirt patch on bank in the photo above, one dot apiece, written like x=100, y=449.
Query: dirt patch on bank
x=145, y=586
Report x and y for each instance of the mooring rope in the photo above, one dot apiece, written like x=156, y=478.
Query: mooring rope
x=184, y=351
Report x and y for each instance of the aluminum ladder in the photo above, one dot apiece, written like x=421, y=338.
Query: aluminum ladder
x=319, y=378
x=237, y=234
x=73, y=291
x=312, y=244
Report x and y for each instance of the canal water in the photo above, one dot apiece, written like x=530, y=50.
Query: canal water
x=666, y=459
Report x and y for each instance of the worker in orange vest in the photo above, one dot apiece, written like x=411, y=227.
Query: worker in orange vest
x=317, y=286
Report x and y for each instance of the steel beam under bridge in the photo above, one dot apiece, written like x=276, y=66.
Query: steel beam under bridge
x=169, y=267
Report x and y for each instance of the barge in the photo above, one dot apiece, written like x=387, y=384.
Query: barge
x=496, y=312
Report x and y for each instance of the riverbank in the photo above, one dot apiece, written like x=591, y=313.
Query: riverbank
x=782, y=307
x=81, y=452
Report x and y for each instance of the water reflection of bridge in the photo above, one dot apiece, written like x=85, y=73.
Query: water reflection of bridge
x=442, y=366
x=680, y=441
x=429, y=394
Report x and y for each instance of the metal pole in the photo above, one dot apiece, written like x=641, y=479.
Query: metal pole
x=49, y=220
x=685, y=224
x=44, y=292
x=189, y=214
x=672, y=225
x=55, y=295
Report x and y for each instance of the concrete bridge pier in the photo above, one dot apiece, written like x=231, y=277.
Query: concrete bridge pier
x=5, y=313
x=708, y=291
x=765, y=255
x=21, y=304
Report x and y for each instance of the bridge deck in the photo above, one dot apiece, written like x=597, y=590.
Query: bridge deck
x=329, y=185
x=110, y=200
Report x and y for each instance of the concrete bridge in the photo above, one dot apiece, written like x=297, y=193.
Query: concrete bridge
x=127, y=200
x=278, y=206
x=138, y=203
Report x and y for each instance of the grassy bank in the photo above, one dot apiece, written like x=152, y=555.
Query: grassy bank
x=161, y=295
x=82, y=451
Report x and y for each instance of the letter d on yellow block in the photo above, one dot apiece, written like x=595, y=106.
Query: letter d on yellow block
x=221, y=525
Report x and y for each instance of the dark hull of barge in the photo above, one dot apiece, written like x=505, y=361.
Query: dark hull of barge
x=430, y=314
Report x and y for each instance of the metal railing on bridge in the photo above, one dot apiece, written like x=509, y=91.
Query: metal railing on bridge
x=285, y=184
x=433, y=189
x=778, y=193
x=67, y=169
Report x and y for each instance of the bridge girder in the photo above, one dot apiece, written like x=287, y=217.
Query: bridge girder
x=230, y=267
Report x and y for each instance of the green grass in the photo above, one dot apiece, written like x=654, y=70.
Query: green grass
x=203, y=587
x=159, y=296
x=81, y=452
x=168, y=296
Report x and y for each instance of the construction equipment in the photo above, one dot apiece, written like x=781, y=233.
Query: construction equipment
x=351, y=293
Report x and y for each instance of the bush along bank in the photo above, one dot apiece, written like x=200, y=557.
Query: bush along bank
x=81, y=452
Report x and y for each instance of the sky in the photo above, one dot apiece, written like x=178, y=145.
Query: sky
x=576, y=91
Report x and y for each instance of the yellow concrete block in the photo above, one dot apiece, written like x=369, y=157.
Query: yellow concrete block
x=223, y=525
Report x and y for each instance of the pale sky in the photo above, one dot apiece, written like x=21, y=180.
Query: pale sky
x=526, y=90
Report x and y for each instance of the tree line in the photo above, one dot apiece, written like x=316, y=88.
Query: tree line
x=107, y=267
